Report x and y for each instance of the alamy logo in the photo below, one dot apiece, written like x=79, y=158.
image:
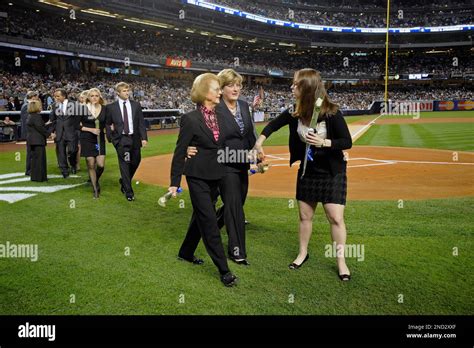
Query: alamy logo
x=236, y=156
x=25, y=251
x=37, y=331
x=396, y=108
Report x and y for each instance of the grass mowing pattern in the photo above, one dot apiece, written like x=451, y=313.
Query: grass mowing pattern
x=408, y=251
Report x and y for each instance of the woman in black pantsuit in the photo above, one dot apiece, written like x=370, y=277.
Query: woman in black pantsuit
x=322, y=175
x=240, y=139
x=202, y=128
x=36, y=139
x=92, y=137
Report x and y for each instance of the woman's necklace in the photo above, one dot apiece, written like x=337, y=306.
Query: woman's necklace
x=233, y=110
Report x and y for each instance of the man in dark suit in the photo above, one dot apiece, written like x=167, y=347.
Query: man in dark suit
x=30, y=95
x=127, y=132
x=65, y=117
x=11, y=104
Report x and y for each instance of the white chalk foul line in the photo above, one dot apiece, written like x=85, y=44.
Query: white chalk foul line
x=365, y=127
x=387, y=162
x=427, y=162
x=276, y=158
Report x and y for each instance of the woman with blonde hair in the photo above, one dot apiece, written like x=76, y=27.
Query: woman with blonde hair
x=318, y=134
x=92, y=138
x=240, y=138
x=83, y=101
x=203, y=129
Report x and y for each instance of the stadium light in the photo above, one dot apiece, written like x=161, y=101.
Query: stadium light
x=148, y=22
x=100, y=13
x=59, y=4
x=228, y=37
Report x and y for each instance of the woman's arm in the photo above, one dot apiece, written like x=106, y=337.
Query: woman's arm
x=94, y=131
x=177, y=165
x=282, y=120
x=341, y=137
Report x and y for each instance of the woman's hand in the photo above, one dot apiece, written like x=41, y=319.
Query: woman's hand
x=314, y=139
x=258, y=148
x=95, y=131
x=192, y=151
x=256, y=154
x=173, y=190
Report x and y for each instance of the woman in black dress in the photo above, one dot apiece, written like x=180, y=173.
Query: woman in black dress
x=322, y=173
x=36, y=140
x=93, y=137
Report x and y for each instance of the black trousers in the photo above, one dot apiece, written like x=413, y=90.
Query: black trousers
x=66, y=150
x=204, y=223
x=38, y=163
x=233, y=190
x=129, y=158
x=28, y=160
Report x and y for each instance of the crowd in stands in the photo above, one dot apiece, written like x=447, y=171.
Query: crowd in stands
x=165, y=94
x=124, y=41
x=361, y=16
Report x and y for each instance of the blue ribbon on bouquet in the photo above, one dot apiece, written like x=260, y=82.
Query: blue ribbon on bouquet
x=310, y=154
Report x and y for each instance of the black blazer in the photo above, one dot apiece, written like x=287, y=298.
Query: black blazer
x=24, y=119
x=113, y=115
x=337, y=132
x=37, y=131
x=65, y=125
x=235, y=140
x=204, y=165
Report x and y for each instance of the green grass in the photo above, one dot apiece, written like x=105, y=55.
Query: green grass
x=437, y=114
x=408, y=251
x=449, y=136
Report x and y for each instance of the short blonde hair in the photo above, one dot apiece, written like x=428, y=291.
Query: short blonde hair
x=34, y=107
x=229, y=76
x=119, y=86
x=96, y=90
x=84, y=94
x=201, y=87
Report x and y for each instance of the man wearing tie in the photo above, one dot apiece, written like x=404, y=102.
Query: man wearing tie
x=65, y=117
x=127, y=132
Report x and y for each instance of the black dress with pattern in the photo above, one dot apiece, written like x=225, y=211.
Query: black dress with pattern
x=318, y=184
x=91, y=144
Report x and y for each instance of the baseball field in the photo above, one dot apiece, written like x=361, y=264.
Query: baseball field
x=409, y=216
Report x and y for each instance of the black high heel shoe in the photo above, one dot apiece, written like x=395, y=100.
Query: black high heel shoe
x=345, y=277
x=296, y=266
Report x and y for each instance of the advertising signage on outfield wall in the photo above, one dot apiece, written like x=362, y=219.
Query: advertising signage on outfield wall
x=401, y=107
x=178, y=63
x=454, y=105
